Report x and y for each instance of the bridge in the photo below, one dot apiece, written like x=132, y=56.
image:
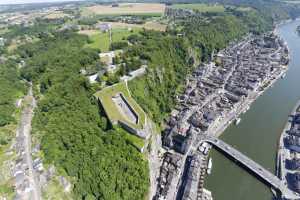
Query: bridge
x=254, y=167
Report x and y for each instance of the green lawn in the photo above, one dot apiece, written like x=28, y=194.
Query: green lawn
x=101, y=40
x=111, y=109
x=200, y=7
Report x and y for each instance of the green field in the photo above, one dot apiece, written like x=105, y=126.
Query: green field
x=200, y=7
x=112, y=111
x=100, y=40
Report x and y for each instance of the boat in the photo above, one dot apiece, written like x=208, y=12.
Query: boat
x=209, y=166
x=237, y=121
x=283, y=76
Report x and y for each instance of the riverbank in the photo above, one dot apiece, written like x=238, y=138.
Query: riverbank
x=213, y=99
x=257, y=134
x=284, y=154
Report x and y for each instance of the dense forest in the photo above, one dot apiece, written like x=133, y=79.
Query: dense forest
x=73, y=135
x=168, y=66
x=10, y=89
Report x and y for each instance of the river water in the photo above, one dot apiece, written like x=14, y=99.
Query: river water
x=258, y=133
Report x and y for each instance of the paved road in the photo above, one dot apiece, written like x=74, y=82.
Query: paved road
x=257, y=169
x=25, y=130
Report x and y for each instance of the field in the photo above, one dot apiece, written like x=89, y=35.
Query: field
x=112, y=111
x=125, y=9
x=150, y=25
x=200, y=7
x=100, y=40
x=56, y=15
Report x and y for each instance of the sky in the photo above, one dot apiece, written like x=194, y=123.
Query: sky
x=29, y=1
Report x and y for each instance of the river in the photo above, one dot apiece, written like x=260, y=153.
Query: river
x=258, y=133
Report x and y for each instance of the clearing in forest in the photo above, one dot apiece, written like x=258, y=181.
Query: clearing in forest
x=125, y=9
x=149, y=25
x=56, y=15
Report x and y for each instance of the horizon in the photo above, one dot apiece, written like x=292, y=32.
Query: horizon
x=13, y=2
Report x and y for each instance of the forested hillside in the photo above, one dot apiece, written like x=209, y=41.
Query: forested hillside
x=168, y=66
x=73, y=136
x=10, y=89
x=172, y=57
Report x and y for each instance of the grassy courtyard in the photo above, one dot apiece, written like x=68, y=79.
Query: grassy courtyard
x=113, y=113
x=111, y=109
x=100, y=40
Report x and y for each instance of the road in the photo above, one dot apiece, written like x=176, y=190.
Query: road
x=252, y=166
x=25, y=130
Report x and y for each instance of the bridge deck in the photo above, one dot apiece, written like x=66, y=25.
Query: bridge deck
x=257, y=169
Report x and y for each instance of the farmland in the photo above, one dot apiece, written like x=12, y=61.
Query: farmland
x=125, y=9
x=56, y=15
x=149, y=25
x=201, y=7
x=100, y=40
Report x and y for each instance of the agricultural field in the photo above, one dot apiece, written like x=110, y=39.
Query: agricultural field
x=149, y=25
x=56, y=15
x=100, y=40
x=154, y=9
x=201, y=7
